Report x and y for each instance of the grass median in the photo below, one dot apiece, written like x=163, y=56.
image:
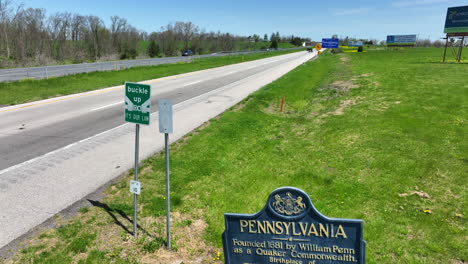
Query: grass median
x=378, y=136
x=27, y=90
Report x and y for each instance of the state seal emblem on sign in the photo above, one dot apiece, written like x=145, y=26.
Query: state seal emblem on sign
x=288, y=204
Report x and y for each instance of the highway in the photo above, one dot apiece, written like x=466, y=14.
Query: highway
x=54, y=152
x=61, y=70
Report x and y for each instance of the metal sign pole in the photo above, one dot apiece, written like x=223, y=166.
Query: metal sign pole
x=135, y=196
x=168, y=193
x=445, y=50
x=461, y=48
x=165, y=126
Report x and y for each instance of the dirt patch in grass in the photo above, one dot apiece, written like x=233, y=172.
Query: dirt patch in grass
x=240, y=105
x=364, y=75
x=273, y=108
x=344, y=58
x=146, y=170
x=186, y=239
x=341, y=86
x=343, y=105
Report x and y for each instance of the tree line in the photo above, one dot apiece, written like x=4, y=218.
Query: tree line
x=29, y=37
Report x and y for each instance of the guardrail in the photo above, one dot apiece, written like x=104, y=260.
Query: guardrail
x=62, y=70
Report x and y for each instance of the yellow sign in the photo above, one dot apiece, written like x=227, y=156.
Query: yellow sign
x=318, y=46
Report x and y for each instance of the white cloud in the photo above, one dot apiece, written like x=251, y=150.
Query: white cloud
x=418, y=2
x=352, y=11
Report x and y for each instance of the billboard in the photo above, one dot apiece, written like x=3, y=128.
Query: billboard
x=401, y=40
x=354, y=43
x=456, y=20
x=330, y=43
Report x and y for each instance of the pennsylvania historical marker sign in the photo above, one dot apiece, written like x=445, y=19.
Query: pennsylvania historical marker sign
x=289, y=230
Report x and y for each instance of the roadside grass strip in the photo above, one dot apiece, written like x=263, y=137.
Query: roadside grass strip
x=28, y=90
x=378, y=136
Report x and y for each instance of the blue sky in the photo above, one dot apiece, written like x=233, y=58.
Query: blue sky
x=315, y=19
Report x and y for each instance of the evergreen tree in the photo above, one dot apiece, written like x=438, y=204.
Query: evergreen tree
x=274, y=44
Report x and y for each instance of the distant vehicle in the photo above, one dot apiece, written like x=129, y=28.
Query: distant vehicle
x=187, y=53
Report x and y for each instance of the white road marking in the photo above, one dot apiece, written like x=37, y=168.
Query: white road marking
x=106, y=106
x=229, y=73
x=192, y=83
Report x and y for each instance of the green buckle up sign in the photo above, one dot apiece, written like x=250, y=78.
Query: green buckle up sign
x=137, y=103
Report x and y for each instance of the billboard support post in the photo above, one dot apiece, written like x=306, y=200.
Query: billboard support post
x=445, y=50
x=461, y=48
x=457, y=54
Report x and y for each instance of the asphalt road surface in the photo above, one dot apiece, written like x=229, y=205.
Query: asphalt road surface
x=55, y=152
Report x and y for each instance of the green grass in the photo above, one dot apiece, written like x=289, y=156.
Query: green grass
x=359, y=151
x=12, y=93
x=404, y=133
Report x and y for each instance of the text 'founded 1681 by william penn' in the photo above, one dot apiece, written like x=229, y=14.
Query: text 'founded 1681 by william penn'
x=289, y=230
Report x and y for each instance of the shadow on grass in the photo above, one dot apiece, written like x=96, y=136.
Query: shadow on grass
x=112, y=214
x=440, y=62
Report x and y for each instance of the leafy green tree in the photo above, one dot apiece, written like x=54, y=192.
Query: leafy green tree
x=296, y=41
x=128, y=52
x=153, y=49
x=256, y=38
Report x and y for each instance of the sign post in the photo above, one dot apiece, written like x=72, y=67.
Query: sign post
x=137, y=110
x=165, y=126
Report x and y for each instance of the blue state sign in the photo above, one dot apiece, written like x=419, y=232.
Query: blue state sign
x=330, y=43
x=290, y=230
x=355, y=44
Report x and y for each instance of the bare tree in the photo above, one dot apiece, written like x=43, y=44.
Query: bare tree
x=118, y=25
x=168, y=40
x=78, y=24
x=188, y=32
x=94, y=24
x=60, y=31
x=7, y=15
